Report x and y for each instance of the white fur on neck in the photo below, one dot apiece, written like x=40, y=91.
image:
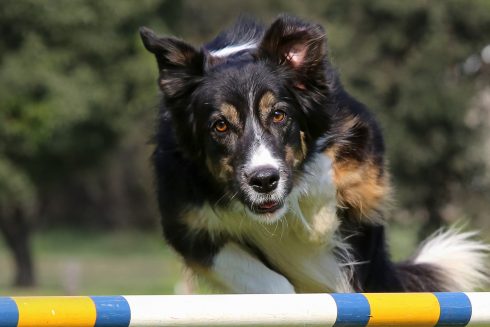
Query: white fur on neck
x=304, y=244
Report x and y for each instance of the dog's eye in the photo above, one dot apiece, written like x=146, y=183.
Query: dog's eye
x=220, y=126
x=278, y=116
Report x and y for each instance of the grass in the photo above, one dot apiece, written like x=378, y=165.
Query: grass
x=124, y=262
x=96, y=263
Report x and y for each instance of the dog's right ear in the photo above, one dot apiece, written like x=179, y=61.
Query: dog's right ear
x=180, y=64
x=300, y=46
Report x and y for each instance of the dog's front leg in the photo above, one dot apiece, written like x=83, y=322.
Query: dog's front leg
x=240, y=272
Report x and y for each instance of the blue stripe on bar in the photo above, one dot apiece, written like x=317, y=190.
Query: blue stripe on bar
x=352, y=310
x=112, y=311
x=455, y=309
x=9, y=313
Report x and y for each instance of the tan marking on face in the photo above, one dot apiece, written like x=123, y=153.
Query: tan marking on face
x=304, y=148
x=290, y=157
x=265, y=105
x=294, y=157
x=230, y=113
x=223, y=170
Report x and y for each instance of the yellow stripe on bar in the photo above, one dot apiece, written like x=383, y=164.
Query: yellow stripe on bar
x=411, y=309
x=57, y=311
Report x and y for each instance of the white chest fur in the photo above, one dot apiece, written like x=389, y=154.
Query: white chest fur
x=301, y=245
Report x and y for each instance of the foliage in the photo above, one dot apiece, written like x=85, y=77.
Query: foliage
x=123, y=262
x=73, y=81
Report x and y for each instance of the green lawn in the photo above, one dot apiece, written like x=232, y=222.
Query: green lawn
x=96, y=263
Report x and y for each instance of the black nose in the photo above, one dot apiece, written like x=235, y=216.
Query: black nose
x=264, y=179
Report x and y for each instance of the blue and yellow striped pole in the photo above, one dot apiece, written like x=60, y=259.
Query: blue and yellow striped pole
x=360, y=309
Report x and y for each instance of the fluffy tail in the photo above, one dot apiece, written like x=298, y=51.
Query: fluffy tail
x=448, y=261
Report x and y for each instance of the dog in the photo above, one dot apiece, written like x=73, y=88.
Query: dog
x=271, y=178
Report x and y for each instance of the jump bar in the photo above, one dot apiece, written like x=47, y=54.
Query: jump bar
x=356, y=309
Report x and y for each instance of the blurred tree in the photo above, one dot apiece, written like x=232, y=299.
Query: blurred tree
x=73, y=80
x=17, y=204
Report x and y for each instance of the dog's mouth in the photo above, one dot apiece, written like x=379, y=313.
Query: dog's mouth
x=266, y=210
x=267, y=207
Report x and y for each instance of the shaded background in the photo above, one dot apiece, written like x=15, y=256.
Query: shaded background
x=77, y=107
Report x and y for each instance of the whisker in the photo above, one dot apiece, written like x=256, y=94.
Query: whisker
x=285, y=225
x=221, y=198
x=275, y=228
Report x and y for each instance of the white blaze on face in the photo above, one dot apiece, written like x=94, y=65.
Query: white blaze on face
x=261, y=156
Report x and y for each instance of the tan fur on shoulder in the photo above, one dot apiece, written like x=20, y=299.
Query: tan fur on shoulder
x=361, y=186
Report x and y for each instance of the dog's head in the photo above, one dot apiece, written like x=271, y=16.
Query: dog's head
x=250, y=117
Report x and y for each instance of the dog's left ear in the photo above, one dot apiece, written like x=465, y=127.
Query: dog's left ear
x=297, y=45
x=180, y=64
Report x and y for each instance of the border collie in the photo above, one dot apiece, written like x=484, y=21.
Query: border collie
x=271, y=178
